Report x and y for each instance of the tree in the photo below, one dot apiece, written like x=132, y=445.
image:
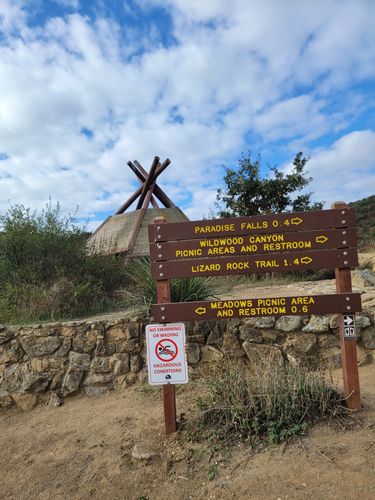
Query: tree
x=247, y=193
x=45, y=271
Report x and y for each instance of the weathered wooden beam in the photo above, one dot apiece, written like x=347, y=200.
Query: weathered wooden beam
x=142, y=174
x=163, y=292
x=150, y=181
x=348, y=346
x=148, y=196
x=159, y=170
x=154, y=202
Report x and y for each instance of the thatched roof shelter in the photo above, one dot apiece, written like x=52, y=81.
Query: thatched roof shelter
x=126, y=232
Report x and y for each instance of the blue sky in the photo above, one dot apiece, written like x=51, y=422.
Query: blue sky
x=87, y=85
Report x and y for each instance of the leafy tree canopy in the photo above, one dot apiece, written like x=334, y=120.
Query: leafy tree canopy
x=247, y=193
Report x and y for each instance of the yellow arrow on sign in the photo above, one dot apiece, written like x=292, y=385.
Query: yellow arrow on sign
x=306, y=260
x=200, y=310
x=296, y=221
x=321, y=239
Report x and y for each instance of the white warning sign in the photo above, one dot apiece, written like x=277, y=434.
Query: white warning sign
x=166, y=354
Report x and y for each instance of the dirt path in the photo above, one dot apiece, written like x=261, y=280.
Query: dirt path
x=84, y=450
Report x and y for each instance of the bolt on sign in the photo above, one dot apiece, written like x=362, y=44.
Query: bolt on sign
x=166, y=354
x=324, y=239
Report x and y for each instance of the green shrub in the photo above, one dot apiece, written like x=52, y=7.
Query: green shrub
x=143, y=286
x=270, y=403
x=45, y=272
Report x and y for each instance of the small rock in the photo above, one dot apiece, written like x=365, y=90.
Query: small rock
x=197, y=339
x=269, y=337
x=40, y=346
x=215, y=337
x=101, y=364
x=232, y=345
x=95, y=390
x=116, y=340
x=131, y=330
x=6, y=401
x=98, y=379
x=136, y=363
x=363, y=357
x=305, y=343
x=210, y=354
x=10, y=352
x=250, y=334
x=142, y=453
x=328, y=340
x=334, y=322
x=57, y=380
x=362, y=321
x=120, y=363
x=80, y=361
x=263, y=323
x=36, y=382
x=84, y=340
x=367, y=276
x=317, y=324
x=289, y=323
x=25, y=402
x=233, y=323
x=368, y=337
x=72, y=381
x=261, y=352
x=193, y=353
x=5, y=336
x=55, y=400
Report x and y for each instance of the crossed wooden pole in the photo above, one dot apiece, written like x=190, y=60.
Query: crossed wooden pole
x=149, y=189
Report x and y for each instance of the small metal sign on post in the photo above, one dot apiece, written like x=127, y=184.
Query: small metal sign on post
x=349, y=327
x=166, y=354
x=323, y=239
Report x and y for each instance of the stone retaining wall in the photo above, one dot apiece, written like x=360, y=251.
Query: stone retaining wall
x=47, y=363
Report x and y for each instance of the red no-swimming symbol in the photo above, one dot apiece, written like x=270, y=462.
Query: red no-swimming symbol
x=166, y=350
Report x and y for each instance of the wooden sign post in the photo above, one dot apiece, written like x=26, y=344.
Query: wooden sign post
x=163, y=293
x=323, y=239
x=348, y=344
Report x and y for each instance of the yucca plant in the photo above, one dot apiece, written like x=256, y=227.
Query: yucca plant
x=141, y=288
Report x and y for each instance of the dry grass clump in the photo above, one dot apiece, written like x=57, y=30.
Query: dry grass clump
x=268, y=404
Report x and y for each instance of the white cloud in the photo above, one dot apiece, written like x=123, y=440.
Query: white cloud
x=345, y=170
x=269, y=68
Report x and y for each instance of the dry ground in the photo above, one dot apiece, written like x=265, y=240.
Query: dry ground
x=84, y=450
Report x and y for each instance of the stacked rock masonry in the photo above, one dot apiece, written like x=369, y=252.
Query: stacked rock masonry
x=51, y=362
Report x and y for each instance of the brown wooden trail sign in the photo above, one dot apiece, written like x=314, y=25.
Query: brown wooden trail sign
x=348, y=303
x=282, y=262
x=249, y=244
x=323, y=239
x=259, y=224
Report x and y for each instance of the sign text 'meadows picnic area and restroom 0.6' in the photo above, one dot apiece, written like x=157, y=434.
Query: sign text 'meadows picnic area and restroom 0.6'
x=324, y=239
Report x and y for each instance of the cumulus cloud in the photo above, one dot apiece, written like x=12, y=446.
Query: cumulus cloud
x=81, y=95
x=346, y=170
